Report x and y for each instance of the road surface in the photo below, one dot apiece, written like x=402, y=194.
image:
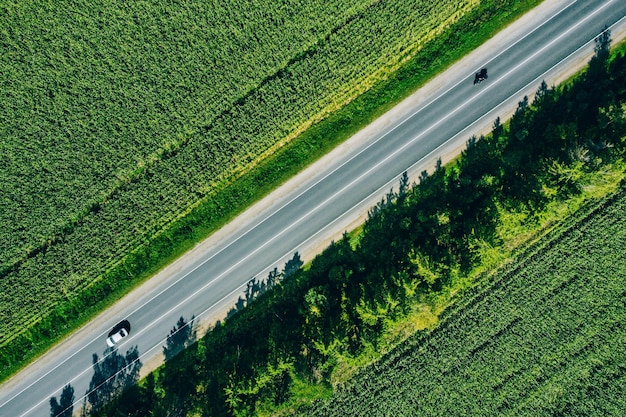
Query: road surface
x=330, y=196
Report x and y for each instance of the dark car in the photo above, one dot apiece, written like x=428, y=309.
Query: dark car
x=480, y=76
x=120, y=331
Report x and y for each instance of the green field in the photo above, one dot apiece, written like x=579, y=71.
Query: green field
x=544, y=336
x=118, y=118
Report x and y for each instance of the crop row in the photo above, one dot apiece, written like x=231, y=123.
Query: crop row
x=546, y=339
x=130, y=198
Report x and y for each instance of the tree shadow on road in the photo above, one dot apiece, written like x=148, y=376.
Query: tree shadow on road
x=113, y=374
x=180, y=337
x=65, y=406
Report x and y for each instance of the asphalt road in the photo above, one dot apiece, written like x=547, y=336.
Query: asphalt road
x=331, y=195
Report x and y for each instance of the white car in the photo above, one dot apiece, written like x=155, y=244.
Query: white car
x=111, y=341
x=120, y=331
